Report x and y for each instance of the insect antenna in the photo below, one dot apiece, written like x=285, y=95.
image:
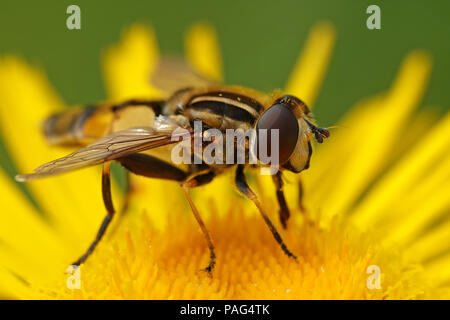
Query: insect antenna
x=319, y=133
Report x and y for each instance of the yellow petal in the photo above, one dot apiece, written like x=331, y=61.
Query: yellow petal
x=440, y=270
x=128, y=65
x=327, y=159
x=311, y=66
x=421, y=204
x=203, y=51
x=24, y=230
x=406, y=173
x=378, y=135
x=11, y=287
x=72, y=201
x=432, y=244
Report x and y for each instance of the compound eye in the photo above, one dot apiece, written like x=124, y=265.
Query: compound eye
x=282, y=118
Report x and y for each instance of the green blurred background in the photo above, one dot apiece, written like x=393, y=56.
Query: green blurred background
x=260, y=42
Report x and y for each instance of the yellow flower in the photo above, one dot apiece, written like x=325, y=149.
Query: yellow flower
x=376, y=224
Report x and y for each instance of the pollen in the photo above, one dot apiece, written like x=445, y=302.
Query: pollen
x=140, y=262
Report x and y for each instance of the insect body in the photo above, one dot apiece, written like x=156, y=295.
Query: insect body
x=140, y=134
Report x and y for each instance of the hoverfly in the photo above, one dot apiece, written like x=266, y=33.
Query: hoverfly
x=139, y=135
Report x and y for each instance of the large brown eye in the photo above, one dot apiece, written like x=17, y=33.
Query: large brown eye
x=282, y=118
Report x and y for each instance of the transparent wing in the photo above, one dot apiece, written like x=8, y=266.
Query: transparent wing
x=172, y=74
x=110, y=147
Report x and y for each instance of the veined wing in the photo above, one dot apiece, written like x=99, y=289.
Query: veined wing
x=110, y=147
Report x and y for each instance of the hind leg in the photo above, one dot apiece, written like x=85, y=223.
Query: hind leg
x=139, y=164
x=107, y=200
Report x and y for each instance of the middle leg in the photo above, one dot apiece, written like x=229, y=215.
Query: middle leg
x=148, y=166
x=107, y=200
x=193, y=182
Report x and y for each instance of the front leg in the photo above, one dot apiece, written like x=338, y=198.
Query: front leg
x=284, y=209
x=241, y=183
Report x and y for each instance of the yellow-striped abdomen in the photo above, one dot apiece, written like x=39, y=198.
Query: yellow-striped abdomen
x=80, y=126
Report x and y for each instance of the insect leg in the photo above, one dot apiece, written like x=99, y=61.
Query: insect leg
x=128, y=191
x=148, y=166
x=284, y=209
x=151, y=167
x=301, y=193
x=195, y=182
x=241, y=183
x=107, y=200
